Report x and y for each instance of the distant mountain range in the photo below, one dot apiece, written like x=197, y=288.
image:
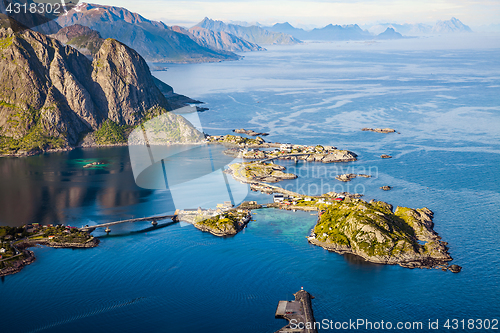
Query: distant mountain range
x=253, y=34
x=218, y=40
x=155, y=41
x=330, y=32
x=453, y=25
x=210, y=40
x=389, y=33
x=379, y=31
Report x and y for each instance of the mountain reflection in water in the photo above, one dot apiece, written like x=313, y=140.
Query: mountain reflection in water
x=46, y=188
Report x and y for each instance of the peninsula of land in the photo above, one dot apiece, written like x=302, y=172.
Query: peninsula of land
x=14, y=243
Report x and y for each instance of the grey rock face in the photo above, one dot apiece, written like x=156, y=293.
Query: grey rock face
x=48, y=90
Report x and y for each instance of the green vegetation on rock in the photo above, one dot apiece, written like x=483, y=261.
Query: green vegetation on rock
x=235, y=139
x=111, y=133
x=266, y=172
x=6, y=42
x=221, y=223
x=35, y=140
x=374, y=232
x=63, y=235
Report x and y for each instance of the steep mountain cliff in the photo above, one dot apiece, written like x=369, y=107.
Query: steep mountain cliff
x=51, y=94
x=253, y=34
x=84, y=39
x=153, y=40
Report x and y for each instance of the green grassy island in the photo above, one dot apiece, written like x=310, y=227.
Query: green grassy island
x=228, y=223
x=14, y=243
x=373, y=231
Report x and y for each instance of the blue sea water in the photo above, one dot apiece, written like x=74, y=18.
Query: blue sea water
x=443, y=100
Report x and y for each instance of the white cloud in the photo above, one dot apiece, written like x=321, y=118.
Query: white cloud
x=316, y=12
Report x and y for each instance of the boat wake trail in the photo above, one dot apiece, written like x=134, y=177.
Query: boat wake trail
x=88, y=314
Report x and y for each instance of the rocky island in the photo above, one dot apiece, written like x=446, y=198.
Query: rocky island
x=228, y=223
x=349, y=176
x=249, y=132
x=251, y=149
x=93, y=164
x=373, y=231
x=379, y=130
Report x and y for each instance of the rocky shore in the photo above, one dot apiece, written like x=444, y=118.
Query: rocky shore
x=249, y=132
x=18, y=265
x=92, y=242
x=250, y=148
x=349, y=176
x=29, y=256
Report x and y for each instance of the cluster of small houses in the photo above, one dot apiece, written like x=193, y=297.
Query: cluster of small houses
x=286, y=200
x=288, y=148
x=36, y=227
x=221, y=208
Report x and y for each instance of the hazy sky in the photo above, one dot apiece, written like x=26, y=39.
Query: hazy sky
x=316, y=12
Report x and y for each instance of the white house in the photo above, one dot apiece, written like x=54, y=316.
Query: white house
x=279, y=198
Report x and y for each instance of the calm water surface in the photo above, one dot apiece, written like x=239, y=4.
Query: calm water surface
x=445, y=104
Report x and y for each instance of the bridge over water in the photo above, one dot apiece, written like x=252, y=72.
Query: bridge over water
x=154, y=221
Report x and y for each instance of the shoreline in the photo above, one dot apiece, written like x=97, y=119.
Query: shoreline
x=427, y=262
x=68, y=149
x=18, y=265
